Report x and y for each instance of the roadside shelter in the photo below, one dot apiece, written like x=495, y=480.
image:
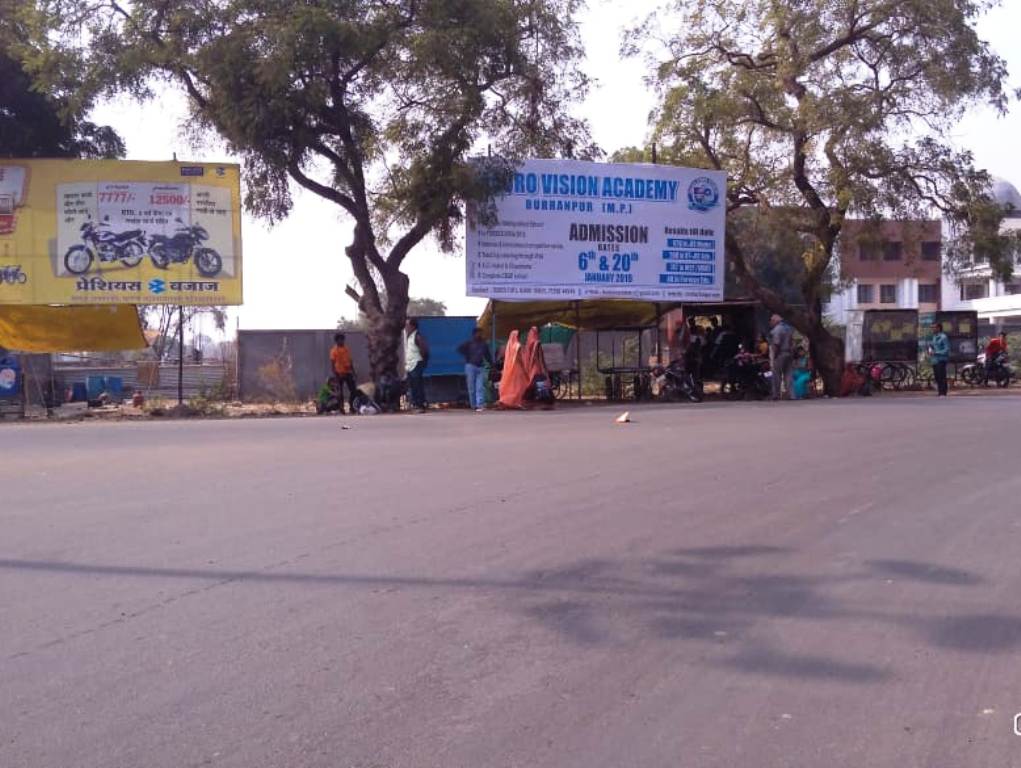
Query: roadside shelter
x=604, y=315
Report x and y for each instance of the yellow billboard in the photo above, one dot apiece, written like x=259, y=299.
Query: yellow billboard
x=119, y=232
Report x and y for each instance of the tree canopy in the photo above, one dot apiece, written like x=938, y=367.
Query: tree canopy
x=821, y=110
x=37, y=121
x=417, y=307
x=375, y=105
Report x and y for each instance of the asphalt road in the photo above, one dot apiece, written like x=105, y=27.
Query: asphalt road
x=723, y=585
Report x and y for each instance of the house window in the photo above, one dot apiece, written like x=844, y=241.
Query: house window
x=893, y=251
x=931, y=250
x=866, y=294
x=972, y=291
x=928, y=293
x=868, y=252
x=888, y=294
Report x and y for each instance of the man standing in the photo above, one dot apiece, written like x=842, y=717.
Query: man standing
x=476, y=353
x=343, y=371
x=416, y=357
x=781, y=358
x=939, y=354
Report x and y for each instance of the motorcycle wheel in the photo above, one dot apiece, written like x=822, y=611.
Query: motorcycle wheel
x=208, y=262
x=970, y=375
x=132, y=255
x=78, y=260
x=159, y=257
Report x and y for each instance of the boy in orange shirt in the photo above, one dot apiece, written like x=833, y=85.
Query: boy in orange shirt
x=343, y=371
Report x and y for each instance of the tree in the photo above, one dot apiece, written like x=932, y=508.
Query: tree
x=820, y=110
x=773, y=254
x=423, y=307
x=374, y=105
x=38, y=123
x=164, y=320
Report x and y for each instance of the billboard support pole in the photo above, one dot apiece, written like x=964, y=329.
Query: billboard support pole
x=577, y=343
x=180, y=354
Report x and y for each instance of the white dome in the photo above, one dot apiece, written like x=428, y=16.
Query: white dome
x=1006, y=194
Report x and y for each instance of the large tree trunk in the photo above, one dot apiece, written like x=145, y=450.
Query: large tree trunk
x=827, y=353
x=384, y=333
x=385, y=327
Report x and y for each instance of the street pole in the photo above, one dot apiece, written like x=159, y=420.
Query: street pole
x=180, y=354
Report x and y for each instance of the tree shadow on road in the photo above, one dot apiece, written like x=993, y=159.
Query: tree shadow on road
x=722, y=599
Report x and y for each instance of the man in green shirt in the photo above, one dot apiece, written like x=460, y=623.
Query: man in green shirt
x=939, y=354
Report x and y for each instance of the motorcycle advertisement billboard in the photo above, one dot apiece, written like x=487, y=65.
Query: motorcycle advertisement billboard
x=567, y=229
x=119, y=232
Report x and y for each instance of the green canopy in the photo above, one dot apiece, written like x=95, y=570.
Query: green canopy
x=590, y=315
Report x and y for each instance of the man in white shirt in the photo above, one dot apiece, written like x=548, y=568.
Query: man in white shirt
x=416, y=357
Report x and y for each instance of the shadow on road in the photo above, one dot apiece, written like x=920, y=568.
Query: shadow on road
x=712, y=595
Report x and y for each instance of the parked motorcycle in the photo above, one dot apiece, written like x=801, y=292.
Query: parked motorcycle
x=978, y=374
x=184, y=245
x=13, y=275
x=99, y=243
x=674, y=382
x=748, y=378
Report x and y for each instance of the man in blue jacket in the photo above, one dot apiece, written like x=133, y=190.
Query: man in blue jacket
x=939, y=354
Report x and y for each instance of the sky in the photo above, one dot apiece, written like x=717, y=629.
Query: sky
x=295, y=271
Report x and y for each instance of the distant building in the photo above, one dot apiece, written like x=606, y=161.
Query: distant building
x=997, y=303
x=888, y=265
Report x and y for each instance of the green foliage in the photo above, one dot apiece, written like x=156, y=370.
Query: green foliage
x=423, y=307
x=42, y=101
x=823, y=109
x=426, y=308
x=819, y=110
x=374, y=105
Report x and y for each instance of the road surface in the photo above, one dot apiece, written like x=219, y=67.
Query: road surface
x=711, y=586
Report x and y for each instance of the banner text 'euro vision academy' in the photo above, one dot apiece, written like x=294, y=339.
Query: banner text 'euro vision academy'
x=567, y=229
x=119, y=232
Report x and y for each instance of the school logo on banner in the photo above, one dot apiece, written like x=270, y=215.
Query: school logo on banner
x=703, y=194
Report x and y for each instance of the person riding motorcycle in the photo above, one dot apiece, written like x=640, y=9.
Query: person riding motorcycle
x=996, y=352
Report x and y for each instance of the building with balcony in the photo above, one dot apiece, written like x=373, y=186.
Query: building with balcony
x=888, y=265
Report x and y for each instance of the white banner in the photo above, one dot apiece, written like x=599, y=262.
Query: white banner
x=183, y=210
x=575, y=230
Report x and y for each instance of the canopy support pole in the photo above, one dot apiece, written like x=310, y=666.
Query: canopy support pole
x=659, y=346
x=493, y=334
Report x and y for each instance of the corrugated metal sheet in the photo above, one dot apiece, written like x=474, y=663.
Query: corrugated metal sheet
x=198, y=379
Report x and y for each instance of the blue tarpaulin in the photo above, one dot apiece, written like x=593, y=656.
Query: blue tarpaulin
x=445, y=335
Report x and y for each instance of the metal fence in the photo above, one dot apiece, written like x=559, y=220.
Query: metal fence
x=154, y=379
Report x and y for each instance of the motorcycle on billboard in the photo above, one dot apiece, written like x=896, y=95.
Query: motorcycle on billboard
x=183, y=245
x=100, y=244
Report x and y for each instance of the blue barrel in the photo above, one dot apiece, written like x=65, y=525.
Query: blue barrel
x=10, y=378
x=95, y=385
x=79, y=393
x=115, y=388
